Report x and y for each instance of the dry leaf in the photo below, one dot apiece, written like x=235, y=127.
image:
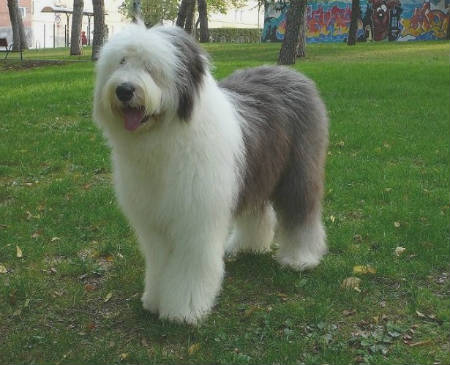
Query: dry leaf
x=347, y=312
x=364, y=269
x=396, y=224
x=193, y=348
x=399, y=250
x=55, y=239
x=35, y=234
x=250, y=310
x=3, y=269
x=332, y=218
x=108, y=297
x=123, y=356
x=420, y=343
x=351, y=283
x=18, y=252
x=420, y=314
x=90, y=287
x=109, y=258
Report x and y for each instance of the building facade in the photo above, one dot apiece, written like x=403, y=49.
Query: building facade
x=50, y=29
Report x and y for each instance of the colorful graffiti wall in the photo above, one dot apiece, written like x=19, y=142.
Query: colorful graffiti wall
x=393, y=20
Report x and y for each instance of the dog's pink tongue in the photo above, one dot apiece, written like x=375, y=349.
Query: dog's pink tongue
x=133, y=118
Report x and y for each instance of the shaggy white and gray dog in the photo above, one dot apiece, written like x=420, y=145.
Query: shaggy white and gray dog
x=194, y=159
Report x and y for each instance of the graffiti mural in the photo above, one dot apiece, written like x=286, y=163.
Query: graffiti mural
x=329, y=21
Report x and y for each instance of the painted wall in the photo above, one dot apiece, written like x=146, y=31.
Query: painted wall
x=393, y=20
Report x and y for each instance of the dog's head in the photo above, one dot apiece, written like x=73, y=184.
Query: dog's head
x=146, y=75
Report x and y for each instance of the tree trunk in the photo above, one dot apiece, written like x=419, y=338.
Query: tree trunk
x=351, y=41
x=77, y=18
x=203, y=17
x=99, y=27
x=181, y=18
x=294, y=17
x=448, y=24
x=189, y=24
x=301, y=45
x=19, y=37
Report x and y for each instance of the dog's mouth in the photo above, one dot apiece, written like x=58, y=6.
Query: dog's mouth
x=134, y=117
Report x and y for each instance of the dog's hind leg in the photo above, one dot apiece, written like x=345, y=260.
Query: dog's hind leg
x=297, y=202
x=253, y=230
x=302, y=246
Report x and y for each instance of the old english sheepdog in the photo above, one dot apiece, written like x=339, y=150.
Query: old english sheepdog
x=202, y=166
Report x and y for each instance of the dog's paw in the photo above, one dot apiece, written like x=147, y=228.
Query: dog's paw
x=299, y=264
x=191, y=318
x=149, y=302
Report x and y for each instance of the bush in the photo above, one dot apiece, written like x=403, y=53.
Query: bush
x=234, y=35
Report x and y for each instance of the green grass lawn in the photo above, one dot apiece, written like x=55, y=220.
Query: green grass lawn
x=74, y=294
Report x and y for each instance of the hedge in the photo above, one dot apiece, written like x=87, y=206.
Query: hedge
x=234, y=35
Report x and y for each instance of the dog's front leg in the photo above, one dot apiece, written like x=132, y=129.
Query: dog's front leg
x=193, y=276
x=155, y=251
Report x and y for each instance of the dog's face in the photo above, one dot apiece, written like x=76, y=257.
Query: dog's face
x=146, y=75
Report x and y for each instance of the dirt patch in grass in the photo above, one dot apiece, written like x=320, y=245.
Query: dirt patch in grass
x=28, y=64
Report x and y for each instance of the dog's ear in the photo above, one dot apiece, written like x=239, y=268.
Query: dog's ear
x=193, y=66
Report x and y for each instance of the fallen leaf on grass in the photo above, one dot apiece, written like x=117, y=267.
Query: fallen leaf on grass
x=364, y=269
x=55, y=239
x=399, y=250
x=108, y=297
x=420, y=343
x=347, y=312
x=250, y=310
x=420, y=314
x=3, y=269
x=18, y=252
x=193, y=348
x=123, y=356
x=396, y=224
x=36, y=234
x=332, y=218
x=351, y=283
x=90, y=287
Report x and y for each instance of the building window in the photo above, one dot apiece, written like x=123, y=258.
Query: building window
x=23, y=11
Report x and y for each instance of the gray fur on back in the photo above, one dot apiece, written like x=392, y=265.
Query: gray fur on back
x=285, y=131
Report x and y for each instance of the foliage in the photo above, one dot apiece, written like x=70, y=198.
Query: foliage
x=71, y=295
x=222, y=6
x=153, y=11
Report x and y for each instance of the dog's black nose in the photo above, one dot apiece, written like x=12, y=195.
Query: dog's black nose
x=125, y=92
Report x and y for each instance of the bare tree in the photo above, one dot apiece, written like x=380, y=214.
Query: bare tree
x=19, y=37
x=77, y=18
x=351, y=40
x=294, y=18
x=99, y=27
x=203, y=18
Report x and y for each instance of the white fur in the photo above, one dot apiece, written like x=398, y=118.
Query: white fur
x=178, y=182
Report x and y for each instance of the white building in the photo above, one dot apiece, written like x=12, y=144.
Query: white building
x=249, y=16
x=52, y=29
x=49, y=28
